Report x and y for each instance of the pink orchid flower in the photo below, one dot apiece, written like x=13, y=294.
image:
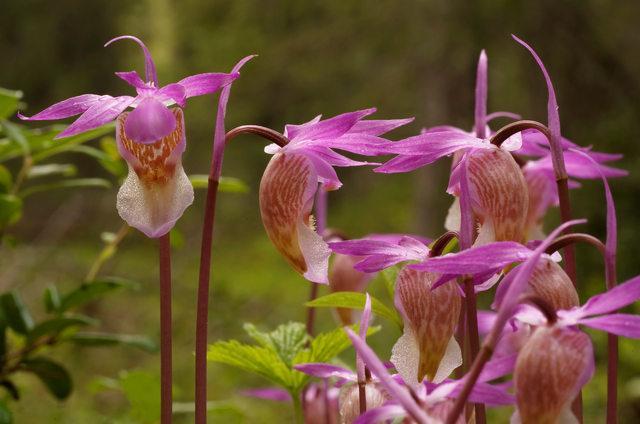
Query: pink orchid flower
x=292, y=176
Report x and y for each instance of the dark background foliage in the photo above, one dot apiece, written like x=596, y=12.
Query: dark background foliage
x=408, y=58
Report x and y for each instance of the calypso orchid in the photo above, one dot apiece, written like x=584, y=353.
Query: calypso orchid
x=151, y=138
x=291, y=180
x=344, y=277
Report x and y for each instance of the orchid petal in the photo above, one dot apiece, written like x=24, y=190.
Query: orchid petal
x=618, y=297
x=292, y=130
x=106, y=110
x=197, y=85
x=380, y=371
x=403, y=164
x=174, y=92
x=625, y=325
x=322, y=370
x=268, y=393
x=466, y=209
x=451, y=360
x=381, y=414
x=327, y=176
x=436, y=145
x=377, y=127
x=149, y=121
x=478, y=259
x=149, y=66
x=133, y=79
x=481, y=96
x=332, y=127
x=66, y=108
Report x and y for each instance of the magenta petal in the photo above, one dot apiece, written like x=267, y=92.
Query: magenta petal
x=376, y=127
x=478, y=259
x=466, y=209
x=381, y=414
x=175, y=92
x=268, y=393
x=332, y=127
x=490, y=395
x=437, y=144
x=321, y=370
x=624, y=325
x=132, y=78
x=498, y=367
x=106, y=110
x=480, y=123
x=149, y=66
x=70, y=107
x=403, y=164
x=614, y=299
x=380, y=371
x=149, y=122
x=197, y=85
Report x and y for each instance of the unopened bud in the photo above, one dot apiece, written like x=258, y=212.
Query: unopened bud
x=344, y=277
x=350, y=400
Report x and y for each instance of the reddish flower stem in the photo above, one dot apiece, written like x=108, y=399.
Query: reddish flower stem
x=166, y=402
x=202, y=308
x=474, y=338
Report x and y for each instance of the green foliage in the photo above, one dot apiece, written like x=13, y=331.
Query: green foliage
x=108, y=339
x=389, y=276
x=9, y=101
x=87, y=292
x=355, y=300
x=54, y=376
x=225, y=184
x=278, y=351
x=16, y=313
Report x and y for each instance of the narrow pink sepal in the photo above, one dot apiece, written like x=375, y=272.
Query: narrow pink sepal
x=382, y=414
x=66, y=108
x=492, y=256
x=332, y=127
x=133, y=79
x=106, y=110
x=625, y=325
x=197, y=85
x=480, y=121
x=322, y=370
x=376, y=127
x=268, y=393
x=149, y=66
x=618, y=297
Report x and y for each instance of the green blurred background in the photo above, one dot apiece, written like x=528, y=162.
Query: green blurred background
x=407, y=58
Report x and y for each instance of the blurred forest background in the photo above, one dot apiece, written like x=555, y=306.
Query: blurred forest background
x=407, y=58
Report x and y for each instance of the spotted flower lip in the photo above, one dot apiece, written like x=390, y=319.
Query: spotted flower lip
x=150, y=119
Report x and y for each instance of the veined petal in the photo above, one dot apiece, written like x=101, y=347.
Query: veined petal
x=404, y=164
x=326, y=175
x=149, y=121
x=618, y=297
x=349, y=400
x=430, y=318
x=69, y=107
x=292, y=130
x=377, y=127
x=197, y=85
x=268, y=393
x=149, y=66
x=481, y=96
x=378, y=254
x=322, y=370
x=133, y=79
x=625, y=325
x=101, y=112
x=156, y=191
x=381, y=414
x=451, y=360
x=332, y=127
x=436, y=145
x=286, y=196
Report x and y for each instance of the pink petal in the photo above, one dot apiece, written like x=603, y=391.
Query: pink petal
x=481, y=96
x=332, y=127
x=175, y=92
x=132, y=78
x=379, y=370
x=404, y=164
x=466, y=207
x=268, y=393
x=377, y=127
x=149, y=121
x=613, y=299
x=382, y=414
x=624, y=325
x=291, y=130
x=219, y=134
x=479, y=259
x=106, y=110
x=436, y=145
x=197, y=85
x=149, y=66
x=70, y=107
x=321, y=370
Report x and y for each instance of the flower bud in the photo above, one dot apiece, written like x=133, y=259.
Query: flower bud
x=156, y=191
x=542, y=195
x=320, y=404
x=427, y=347
x=286, y=197
x=499, y=195
x=550, y=370
x=344, y=277
x=549, y=282
x=349, y=400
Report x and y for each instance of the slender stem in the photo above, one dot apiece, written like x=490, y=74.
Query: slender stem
x=298, y=412
x=202, y=307
x=166, y=401
x=106, y=252
x=472, y=334
x=362, y=396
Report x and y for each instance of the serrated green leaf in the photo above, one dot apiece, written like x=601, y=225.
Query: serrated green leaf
x=93, y=290
x=57, y=325
x=70, y=183
x=9, y=100
x=107, y=339
x=355, y=300
x=51, y=299
x=10, y=209
x=256, y=359
x=225, y=184
x=6, y=417
x=65, y=170
x=16, y=313
x=286, y=340
x=6, y=179
x=54, y=376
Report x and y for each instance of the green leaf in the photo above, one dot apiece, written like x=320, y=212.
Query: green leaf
x=114, y=166
x=93, y=290
x=225, y=184
x=354, y=300
x=47, y=146
x=15, y=134
x=9, y=100
x=6, y=417
x=51, y=299
x=260, y=360
x=142, y=390
x=3, y=335
x=11, y=388
x=286, y=340
x=57, y=325
x=16, y=313
x=6, y=179
x=66, y=170
x=54, y=376
x=107, y=339
x=70, y=183
x=389, y=276
x=10, y=209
